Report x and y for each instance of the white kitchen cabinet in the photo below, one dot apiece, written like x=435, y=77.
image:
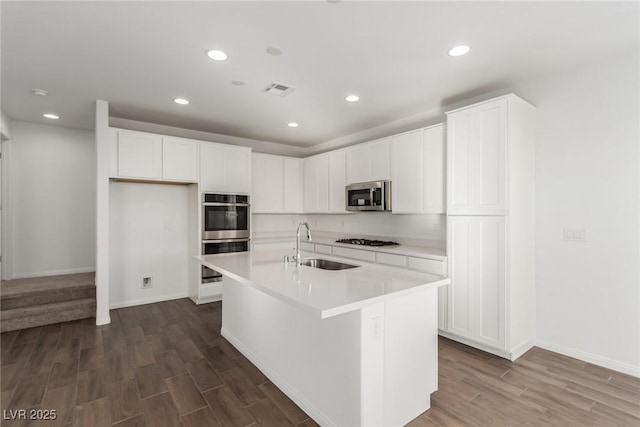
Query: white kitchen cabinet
x=434, y=175
x=139, y=155
x=417, y=171
x=277, y=184
x=179, y=159
x=267, y=175
x=293, y=185
x=476, y=152
x=369, y=161
x=491, y=225
x=225, y=168
x=316, y=184
x=337, y=180
x=477, y=267
x=407, y=172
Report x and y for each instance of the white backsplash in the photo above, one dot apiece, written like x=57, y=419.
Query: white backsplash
x=421, y=230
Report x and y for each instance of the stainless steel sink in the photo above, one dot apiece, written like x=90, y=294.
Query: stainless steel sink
x=325, y=264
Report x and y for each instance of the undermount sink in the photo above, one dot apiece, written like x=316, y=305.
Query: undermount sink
x=325, y=264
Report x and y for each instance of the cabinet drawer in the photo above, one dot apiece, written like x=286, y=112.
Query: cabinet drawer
x=323, y=249
x=355, y=253
x=391, y=259
x=427, y=265
x=306, y=246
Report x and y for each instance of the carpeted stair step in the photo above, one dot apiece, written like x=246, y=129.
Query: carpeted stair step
x=46, y=290
x=46, y=314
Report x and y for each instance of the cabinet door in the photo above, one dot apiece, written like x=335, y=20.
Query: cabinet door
x=407, y=166
x=358, y=164
x=476, y=153
x=179, y=159
x=316, y=184
x=267, y=175
x=434, y=169
x=238, y=169
x=212, y=167
x=379, y=164
x=293, y=185
x=337, y=180
x=476, y=296
x=139, y=155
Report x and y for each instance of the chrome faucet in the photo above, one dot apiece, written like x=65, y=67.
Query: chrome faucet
x=298, y=257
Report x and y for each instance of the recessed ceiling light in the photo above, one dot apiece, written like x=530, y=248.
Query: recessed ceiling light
x=292, y=124
x=273, y=50
x=459, y=50
x=39, y=92
x=217, y=55
x=181, y=101
x=237, y=82
x=352, y=98
x=51, y=116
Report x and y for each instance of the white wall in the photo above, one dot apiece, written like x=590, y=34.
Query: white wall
x=148, y=236
x=52, y=187
x=587, y=176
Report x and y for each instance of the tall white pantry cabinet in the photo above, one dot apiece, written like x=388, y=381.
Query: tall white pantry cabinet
x=490, y=225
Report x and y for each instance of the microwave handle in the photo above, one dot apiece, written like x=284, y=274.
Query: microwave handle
x=225, y=240
x=372, y=196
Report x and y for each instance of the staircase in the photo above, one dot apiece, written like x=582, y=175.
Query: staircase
x=25, y=303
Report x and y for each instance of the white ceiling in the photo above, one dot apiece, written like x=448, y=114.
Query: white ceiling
x=139, y=56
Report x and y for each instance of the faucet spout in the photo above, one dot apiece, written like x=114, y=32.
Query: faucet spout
x=298, y=256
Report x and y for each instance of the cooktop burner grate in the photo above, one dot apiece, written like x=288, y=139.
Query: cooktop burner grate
x=367, y=242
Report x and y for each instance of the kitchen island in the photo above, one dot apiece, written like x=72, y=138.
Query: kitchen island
x=350, y=347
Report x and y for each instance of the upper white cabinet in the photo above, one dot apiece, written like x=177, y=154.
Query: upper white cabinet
x=316, y=183
x=277, y=184
x=141, y=155
x=369, y=161
x=337, y=180
x=225, y=168
x=179, y=159
x=476, y=152
x=293, y=185
x=267, y=183
x=417, y=171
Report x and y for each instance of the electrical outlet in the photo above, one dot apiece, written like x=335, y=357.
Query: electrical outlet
x=146, y=282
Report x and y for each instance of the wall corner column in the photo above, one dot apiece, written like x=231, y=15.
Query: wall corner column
x=102, y=213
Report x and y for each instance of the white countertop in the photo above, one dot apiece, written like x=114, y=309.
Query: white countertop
x=324, y=293
x=410, y=250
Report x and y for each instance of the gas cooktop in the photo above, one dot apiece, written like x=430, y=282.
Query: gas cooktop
x=367, y=242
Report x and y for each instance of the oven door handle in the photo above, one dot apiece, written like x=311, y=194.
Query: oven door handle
x=225, y=240
x=242, y=205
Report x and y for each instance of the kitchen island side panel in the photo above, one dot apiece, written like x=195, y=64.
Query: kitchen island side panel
x=313, y=361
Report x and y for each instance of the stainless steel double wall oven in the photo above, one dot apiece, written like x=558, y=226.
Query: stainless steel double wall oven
x=226, y=222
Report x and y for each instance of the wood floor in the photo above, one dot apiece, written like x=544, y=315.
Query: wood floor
x=165, y=364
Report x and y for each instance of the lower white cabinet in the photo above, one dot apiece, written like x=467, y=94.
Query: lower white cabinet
x=477, y=271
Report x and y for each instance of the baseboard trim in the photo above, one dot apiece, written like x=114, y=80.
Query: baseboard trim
x=595, y=359
x=521, y=349
x=54, y=273
x=474, y=344
x=287, y=389
x=150, y=300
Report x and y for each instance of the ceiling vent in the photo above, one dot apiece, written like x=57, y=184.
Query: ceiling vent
x=278, y=89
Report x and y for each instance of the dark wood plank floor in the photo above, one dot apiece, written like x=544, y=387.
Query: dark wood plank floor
x=166, y=364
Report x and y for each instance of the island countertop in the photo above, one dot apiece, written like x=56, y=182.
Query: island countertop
x=324, y=293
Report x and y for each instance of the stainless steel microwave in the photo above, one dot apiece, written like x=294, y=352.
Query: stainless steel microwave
x=368, y=196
